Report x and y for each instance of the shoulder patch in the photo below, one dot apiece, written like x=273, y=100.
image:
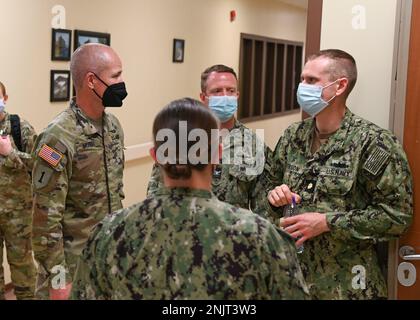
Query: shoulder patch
x=42, y=176
x=376, y=160
x=50, y=155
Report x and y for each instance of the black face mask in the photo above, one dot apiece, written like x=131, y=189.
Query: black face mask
x=113, y=95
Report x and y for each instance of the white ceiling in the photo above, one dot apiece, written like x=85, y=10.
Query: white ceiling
x=297, y=3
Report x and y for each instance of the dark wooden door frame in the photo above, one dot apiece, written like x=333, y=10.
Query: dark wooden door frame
x=313, y=31
x=313, y=27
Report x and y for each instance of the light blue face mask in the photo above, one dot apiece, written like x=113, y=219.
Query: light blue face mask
x=2, y=105
x=309, y=97
x=223, y=106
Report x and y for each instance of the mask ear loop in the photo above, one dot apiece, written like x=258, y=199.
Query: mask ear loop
x=100, y=98
x=335, y=96
x=100, y=79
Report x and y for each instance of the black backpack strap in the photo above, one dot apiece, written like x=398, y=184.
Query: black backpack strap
x=16, y=133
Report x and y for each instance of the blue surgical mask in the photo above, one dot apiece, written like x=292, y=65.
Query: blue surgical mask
x=223, y=106
x=2, y=105
x=309, y=97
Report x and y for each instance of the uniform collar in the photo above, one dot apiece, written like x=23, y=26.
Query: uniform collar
x=237, y=124
x=84, y=121
x=335, y=141
x=186, y=192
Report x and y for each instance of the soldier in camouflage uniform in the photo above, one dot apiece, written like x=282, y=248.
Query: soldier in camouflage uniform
x=78, y=170
x=238, y=179
x=16, y=204
x=353, y=181
x=183, y=243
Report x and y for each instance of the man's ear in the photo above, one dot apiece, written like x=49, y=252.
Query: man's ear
x=343, y=84
x=203, y=98
x=5, y=98
x=152, y=153
x=90, y=79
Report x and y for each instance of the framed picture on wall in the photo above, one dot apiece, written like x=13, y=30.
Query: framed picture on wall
x=61, y=44
x=82, y=37
x=60, y=85
x=178, y=51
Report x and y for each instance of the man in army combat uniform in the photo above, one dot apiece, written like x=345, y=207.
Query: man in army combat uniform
x=182, y=242
x=78, y=170
x=352, y=180
x=16, y=200
x=238, y=179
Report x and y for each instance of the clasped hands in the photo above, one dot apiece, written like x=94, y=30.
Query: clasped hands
x=304, y=226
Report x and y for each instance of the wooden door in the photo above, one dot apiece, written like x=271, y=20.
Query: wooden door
x=408, y=272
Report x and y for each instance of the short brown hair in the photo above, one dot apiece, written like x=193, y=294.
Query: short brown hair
x=218, y=68
x=2, y=88
x=342, y=65
x=196, y=116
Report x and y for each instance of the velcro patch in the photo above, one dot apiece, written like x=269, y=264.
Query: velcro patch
x=376, y=160
x=42, y=176
x=50, y=155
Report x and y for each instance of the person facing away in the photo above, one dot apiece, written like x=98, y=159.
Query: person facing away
x=182, y=242
x=352, y=180
x=238, y=178
x=16, y=200
x=78, y=171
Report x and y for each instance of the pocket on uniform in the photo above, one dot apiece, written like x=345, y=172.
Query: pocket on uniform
x=334, y=185
x=88, y=159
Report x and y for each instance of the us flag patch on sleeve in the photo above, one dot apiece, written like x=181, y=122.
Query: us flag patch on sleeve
x=50, y=155
x=376, y=160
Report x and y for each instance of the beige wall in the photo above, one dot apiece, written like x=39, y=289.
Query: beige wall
x=373, y=49
x=142, y=33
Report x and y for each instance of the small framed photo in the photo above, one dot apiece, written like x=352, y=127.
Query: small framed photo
x=178, y=51
x=60, y=85
x=61, y=45
x=82, y=37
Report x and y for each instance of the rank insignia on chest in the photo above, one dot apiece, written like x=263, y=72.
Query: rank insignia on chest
x=50, y=155
x=310, y=187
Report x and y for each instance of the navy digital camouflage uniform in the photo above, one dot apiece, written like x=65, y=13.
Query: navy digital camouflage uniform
x=231, y=182
x=361, y=179
x=16, y=212
x=182, y=243
x=74, y=195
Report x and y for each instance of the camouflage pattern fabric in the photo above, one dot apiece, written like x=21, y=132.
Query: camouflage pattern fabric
x=16, y=213
x=231, y=182
x=361, y=180
x=77, y=179
x=185, y=244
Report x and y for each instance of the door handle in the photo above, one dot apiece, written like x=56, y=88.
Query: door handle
x=408, y=253
x=412, y=257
